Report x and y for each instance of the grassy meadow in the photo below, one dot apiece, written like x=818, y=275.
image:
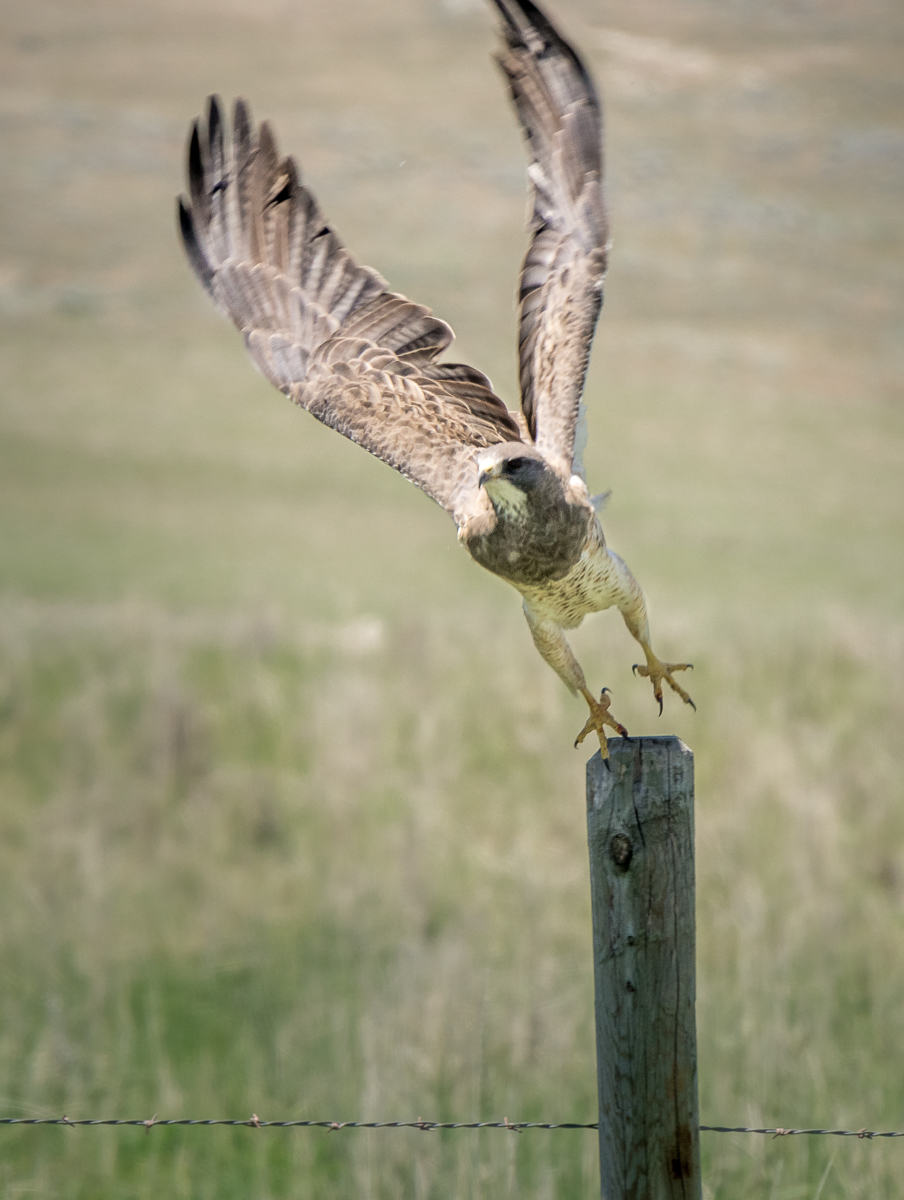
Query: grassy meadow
x=290, y=818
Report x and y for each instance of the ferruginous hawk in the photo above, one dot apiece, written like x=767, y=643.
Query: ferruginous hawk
x=364, y=360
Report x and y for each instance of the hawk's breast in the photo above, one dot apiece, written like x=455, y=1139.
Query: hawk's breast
x=590, y=585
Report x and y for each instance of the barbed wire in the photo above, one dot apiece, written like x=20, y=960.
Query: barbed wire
x=777, y=1131
x=255, y=1122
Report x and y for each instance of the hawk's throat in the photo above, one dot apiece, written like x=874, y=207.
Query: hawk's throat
x=509, y=501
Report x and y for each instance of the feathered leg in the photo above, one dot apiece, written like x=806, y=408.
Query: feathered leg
x=554, y=648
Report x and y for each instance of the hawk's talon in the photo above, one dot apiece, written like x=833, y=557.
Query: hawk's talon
x=599, y=718
x=656, y=671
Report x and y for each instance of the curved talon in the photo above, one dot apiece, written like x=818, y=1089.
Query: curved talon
x=656, y=671
x=599, y=718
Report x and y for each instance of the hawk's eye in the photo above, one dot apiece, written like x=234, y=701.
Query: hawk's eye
x=515, y=464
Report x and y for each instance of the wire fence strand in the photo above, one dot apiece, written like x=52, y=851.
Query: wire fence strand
x=255, y=1122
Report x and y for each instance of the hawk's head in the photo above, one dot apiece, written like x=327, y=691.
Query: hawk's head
x=516, y=476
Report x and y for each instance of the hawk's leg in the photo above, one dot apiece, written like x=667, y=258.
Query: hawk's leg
x=633, y=608
x=553, y=646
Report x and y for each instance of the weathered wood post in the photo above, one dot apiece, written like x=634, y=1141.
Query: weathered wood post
x=640, y=825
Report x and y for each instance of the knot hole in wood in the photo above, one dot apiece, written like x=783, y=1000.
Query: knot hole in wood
x=621, y=850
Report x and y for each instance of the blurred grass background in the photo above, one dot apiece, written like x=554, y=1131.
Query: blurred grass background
x=290, y=821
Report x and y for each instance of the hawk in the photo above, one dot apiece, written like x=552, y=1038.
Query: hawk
x=365, y=360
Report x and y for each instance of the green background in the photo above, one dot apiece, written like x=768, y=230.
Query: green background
x=290, y=821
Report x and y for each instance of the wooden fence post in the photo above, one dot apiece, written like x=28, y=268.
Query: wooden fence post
x=640, y=825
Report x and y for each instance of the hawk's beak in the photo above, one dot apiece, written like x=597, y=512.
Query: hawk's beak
x=488, y=470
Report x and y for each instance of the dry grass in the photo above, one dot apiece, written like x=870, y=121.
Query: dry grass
x=289, y=818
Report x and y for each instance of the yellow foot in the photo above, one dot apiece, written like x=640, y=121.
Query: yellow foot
x=598, y=720
x=656, y=671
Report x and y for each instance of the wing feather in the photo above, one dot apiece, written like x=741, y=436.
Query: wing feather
x=325, y=331
x=560, y=290
x=216, y=169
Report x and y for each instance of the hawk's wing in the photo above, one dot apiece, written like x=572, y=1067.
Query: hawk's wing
x=562, y=277
x=323, y=330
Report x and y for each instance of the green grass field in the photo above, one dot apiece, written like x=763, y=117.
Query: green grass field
x=290, y=821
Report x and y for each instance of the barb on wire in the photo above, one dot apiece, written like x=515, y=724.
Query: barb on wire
x=425, y=1126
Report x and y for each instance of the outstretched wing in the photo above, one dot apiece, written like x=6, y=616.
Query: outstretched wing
x=325, y=331
x=562, y=277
